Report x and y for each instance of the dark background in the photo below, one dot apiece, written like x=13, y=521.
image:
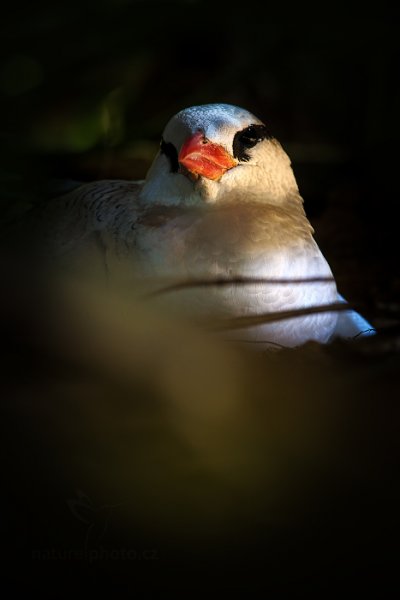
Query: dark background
x=86, y=90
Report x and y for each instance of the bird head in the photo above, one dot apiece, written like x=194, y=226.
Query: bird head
x=218, y=153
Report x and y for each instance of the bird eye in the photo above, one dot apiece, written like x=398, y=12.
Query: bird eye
x=171, y=153
x=251, y=135
x=247, y=138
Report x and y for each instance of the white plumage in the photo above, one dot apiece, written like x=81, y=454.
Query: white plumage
x=220, y=201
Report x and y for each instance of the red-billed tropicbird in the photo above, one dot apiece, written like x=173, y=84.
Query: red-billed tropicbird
x=220, y=201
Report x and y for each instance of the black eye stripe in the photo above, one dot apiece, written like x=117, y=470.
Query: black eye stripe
x=171, y=153
x=254, y=133
x=247, y=138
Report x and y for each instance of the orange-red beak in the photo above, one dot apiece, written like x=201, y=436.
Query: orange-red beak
x=202, y=157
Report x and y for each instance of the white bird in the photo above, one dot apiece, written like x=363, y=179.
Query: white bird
x=220, y=201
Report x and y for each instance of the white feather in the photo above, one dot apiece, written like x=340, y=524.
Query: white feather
x=249, y=223
x=351, y=324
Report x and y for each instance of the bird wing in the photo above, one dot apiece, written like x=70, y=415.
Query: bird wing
x=351, y=324
x=93, y=207
x=72, y=225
